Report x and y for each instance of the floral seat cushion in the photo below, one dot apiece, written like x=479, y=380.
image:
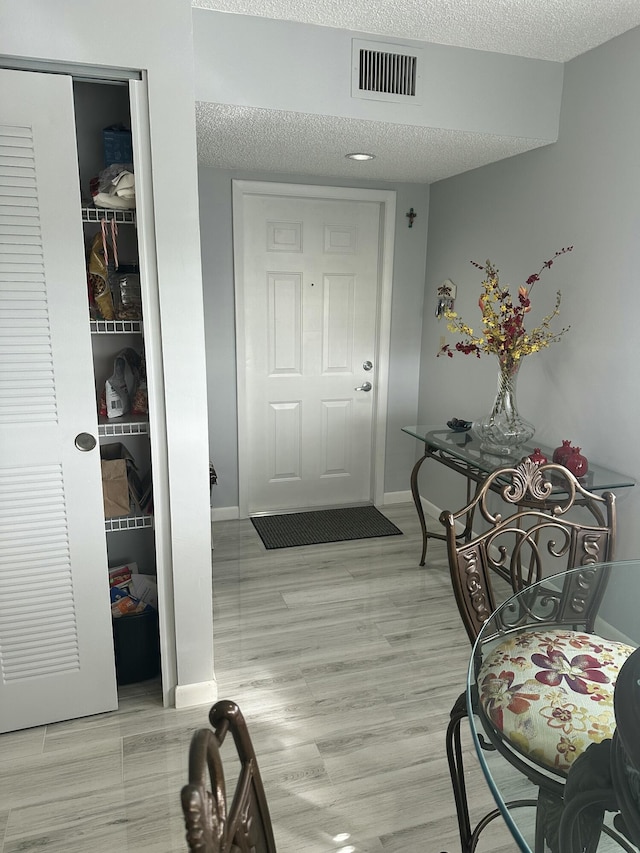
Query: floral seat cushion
x=550, y=692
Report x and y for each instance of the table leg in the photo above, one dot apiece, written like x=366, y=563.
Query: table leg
x=418, y=503
x=465, y=535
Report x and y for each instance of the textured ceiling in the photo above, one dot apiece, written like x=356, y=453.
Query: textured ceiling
x=234, y=137
x=543, y=29
x=263, y=140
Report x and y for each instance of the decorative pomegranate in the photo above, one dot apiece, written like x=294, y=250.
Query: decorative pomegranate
x=560, y=453
x=538, y=456
x=576, y=463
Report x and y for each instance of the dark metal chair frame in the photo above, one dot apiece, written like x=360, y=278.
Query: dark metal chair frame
x=517, y=549
x=212, y=826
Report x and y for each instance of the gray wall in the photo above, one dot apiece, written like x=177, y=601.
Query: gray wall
x=462, y=89
x=406, y=323
x=583, y=190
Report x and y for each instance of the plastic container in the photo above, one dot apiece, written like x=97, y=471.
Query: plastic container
x=136, y=642
x=117, y=145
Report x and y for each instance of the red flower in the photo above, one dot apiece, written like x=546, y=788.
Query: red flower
x=577, y=672
x=499, y=692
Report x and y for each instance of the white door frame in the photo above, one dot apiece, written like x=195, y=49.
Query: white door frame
x=145, y=219
x=387, y=201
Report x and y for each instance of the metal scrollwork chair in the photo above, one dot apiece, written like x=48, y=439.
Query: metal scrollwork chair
x=214, y=826
x=541, y=659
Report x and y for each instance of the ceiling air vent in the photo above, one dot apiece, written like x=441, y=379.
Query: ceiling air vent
x=383, y=72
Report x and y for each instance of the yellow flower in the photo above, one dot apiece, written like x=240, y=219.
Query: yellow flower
x=503, y=319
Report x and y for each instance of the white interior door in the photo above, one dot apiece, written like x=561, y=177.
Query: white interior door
x=309, y=308
x=56, y=647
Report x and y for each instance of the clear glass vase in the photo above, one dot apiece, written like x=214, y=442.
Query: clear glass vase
x=503, y=431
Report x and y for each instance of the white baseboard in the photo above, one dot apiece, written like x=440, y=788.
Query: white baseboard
x=229, y=513
x=202, y=693
x=396, y=498
x=429, y=508
x=407, y=497
x=224, y=513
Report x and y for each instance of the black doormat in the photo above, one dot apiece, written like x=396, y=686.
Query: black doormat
x=322, y=525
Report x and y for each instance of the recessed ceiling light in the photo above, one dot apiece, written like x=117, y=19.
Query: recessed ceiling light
x=361, y=156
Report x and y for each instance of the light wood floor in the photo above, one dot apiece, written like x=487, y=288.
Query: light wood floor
x=345, y=659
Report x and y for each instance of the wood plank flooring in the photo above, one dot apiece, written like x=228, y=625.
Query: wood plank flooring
x=345, y=659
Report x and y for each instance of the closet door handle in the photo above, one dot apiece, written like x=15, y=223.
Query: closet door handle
x=85, y=441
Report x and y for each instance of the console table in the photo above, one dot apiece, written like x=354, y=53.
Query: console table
x=461, y=452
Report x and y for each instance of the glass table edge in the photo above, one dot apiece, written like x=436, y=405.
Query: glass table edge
x=606, y=479
x=495, y=793
x=471, y=684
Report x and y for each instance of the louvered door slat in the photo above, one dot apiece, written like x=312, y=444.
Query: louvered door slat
x=54, y=590
x=22, y=292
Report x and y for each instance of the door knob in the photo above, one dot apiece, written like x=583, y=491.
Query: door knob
x=85, y=441
x=366, y=386
x=367, y=365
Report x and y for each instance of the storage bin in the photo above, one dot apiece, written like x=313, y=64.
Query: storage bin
x=117, y=145
x=136, y=642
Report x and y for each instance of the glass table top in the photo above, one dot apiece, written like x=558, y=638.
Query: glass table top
x=465, y=446
x=616, y=621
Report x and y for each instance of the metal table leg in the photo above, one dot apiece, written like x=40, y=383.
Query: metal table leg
x=418, y=503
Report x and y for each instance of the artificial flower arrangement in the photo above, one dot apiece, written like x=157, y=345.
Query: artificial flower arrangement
x=504, y=334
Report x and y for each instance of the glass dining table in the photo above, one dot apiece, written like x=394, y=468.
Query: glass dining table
x=581, y=709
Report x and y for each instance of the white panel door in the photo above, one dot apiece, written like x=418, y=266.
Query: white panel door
x=310, y=296
x=56, y=647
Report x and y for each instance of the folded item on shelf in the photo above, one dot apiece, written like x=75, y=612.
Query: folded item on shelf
x=115, y=187
x=114, y=201
x=125, y=184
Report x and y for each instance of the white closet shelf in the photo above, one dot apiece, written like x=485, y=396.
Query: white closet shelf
x=115, y=327
x=97, y=214
x=127, y=522
x=133, y=425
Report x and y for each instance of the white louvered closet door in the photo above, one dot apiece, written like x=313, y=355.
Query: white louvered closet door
x=56, y=648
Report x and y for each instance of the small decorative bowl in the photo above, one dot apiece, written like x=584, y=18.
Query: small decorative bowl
x=458, y=425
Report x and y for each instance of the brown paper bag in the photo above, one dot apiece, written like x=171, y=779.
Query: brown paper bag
x=115, y=487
